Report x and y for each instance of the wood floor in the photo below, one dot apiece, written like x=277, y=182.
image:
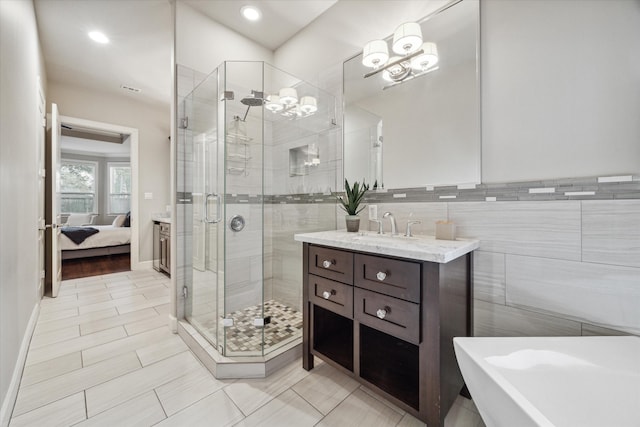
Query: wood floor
x=95, y=266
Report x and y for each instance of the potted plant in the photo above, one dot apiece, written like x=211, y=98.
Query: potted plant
x=350, y=203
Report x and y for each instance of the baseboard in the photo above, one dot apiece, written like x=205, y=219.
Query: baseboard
x=12, y=392
x=173, y=324
x=143, y=265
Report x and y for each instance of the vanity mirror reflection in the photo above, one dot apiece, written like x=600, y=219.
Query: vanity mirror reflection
x=423, y=129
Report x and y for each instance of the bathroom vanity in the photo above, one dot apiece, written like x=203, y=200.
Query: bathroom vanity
x=384, y=309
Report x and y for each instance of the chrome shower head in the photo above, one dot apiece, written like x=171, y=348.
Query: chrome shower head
x=256, y=99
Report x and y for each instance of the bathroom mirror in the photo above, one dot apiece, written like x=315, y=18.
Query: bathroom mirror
x=423, y=130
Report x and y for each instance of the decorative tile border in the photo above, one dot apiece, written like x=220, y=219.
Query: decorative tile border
x=594, y=188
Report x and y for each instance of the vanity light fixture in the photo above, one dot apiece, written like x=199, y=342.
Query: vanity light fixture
x=251, y=13
x=288, y=96
x=407, y=38
x=98, y=37
x=427, y=59
x=413, y=57
x=287, y=104
x=273, y=103
x=308, y=105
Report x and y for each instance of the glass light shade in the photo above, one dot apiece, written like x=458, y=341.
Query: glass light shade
x=407, y=38
x=273, y=103
x=396, y=72
x=426, y=60
x=288, y=96
x=308, y=104
x=375, y=53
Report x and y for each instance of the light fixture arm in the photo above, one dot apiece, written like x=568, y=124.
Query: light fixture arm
x=396, y=62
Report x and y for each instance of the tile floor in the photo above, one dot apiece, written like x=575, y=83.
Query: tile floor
x=102, y=355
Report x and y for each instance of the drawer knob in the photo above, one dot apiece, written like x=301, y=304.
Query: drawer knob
x=381, y=275
x=382, y=312
x=327, y=294
x=326, y=263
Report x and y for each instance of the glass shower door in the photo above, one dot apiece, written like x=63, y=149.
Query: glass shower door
x=244, y=219
x=202, y=305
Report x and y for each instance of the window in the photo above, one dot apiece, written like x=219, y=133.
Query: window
x=78, y=186
x=119, y=188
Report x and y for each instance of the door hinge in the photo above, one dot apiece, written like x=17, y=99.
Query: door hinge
x=261, y=322
x=227, y=96
x=184, y=123
x=185, y=292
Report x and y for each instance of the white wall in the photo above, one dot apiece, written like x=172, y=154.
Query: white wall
x=202, y=44
x=20, y=65
x=152, y=122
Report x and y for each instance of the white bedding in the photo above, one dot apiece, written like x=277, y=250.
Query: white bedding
x=108, y=236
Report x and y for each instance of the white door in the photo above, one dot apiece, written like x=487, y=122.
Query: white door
x=41, y=120
x=56, y=254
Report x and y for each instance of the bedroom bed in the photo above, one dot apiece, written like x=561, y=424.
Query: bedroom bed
x=109, y=240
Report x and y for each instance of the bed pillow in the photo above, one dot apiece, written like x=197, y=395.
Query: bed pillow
x=127, y=220
x=119, y=220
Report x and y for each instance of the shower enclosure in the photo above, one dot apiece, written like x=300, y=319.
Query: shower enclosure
x=257, y=162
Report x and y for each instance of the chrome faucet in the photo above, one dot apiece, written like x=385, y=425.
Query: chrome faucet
x=409, y=224
x=379, y=222
x=393, y=222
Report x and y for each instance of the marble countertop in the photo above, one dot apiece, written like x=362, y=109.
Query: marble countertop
x=158, y=218
x=424, y=248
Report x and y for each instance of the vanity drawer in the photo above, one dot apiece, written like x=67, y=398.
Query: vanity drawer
x=400, y=279
x=387, y=314
x=331, y=263
x=334, y=296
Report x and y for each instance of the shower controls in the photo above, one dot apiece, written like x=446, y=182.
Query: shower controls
x=381, y=275
x=236, y=223
x=326, y=263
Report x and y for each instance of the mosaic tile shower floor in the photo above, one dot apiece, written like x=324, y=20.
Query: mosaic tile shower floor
x=285, y=325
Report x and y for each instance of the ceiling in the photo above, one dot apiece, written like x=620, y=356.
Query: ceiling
x=139, y=52
x=281, y=19
x=138, y=55
x=95, y=148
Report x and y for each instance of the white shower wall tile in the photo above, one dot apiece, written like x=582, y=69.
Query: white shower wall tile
x=489, y=276
x=496, y=320
x=611, y=232
x=600, y=294
x=547, y=229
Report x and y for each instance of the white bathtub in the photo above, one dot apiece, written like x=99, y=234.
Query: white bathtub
x=553, y=381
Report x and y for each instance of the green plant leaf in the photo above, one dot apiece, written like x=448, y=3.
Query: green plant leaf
x=354, y=195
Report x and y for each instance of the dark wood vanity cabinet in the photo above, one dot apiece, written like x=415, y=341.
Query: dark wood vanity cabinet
x=389, y=322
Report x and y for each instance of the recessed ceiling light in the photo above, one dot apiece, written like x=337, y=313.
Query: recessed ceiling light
x=98, y=37
x=251, y=13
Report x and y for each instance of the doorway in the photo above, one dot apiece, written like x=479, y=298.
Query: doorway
x=99, y=153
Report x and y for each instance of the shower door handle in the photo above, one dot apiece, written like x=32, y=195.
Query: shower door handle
x=206, y=209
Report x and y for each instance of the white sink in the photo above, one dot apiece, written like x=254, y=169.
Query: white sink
x=553, y=381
